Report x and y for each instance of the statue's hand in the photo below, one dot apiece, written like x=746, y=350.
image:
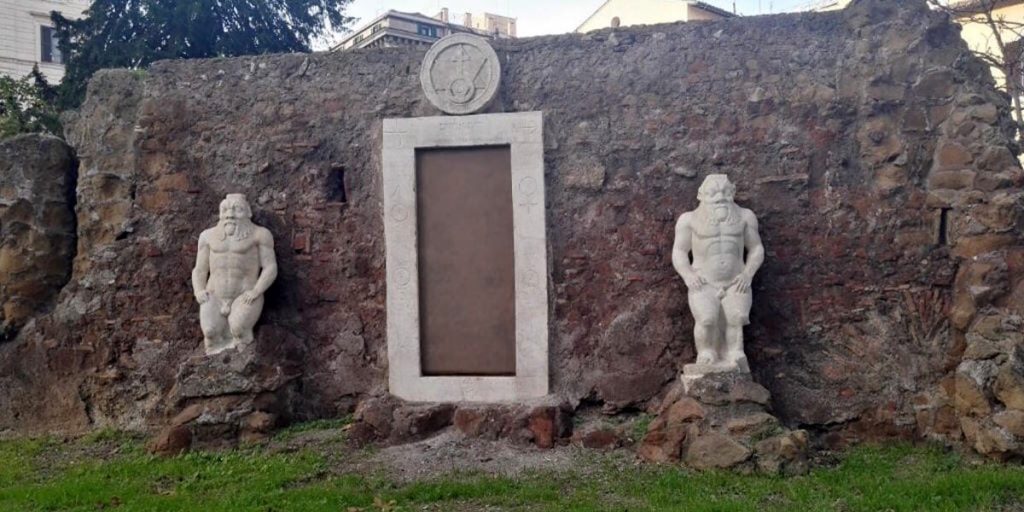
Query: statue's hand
x=741, y=283
x=250, y=296
x=202, y=297
x=694, y=281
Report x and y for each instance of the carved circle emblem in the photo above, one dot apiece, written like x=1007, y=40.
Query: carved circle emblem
x=399, y=214
x=403, y=277
x=528, y=186
x=460, y=74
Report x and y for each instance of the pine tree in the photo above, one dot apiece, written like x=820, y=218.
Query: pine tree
x=134, y=33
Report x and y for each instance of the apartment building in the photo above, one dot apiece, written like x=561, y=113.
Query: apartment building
x=397, y=28
x=27, y=37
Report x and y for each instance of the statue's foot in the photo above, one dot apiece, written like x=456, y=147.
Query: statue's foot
x=216, y=346
x=705, y=359
x=241, y=341
x=739, y=360
x=732, y=357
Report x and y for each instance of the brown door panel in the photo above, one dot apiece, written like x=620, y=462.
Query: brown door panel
x=466, y=261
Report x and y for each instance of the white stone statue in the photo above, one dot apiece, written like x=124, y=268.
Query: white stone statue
x=718, y=280
x=234, y=267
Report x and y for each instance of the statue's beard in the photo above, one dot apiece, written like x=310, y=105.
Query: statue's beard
x=718, y=213
x=235, y=229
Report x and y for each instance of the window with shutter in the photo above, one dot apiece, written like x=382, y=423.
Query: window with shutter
x=50, y=49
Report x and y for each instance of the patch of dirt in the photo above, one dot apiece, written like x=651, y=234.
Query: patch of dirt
x=448, y=453
x=63, y=453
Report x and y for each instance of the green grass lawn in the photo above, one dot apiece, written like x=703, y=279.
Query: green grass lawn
x=109, y=472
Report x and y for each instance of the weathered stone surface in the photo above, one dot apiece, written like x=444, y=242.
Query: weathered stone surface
x=970, y=382
x=784, y=453
x=710, y=424
x=208, y=377
x=549, y=424
x=685, y=409
x=1012, y=421
x=173, y=440
x=752, y=424
x=37, y=226
x=584, y=174
x=1009, y=385
x=713, y=450
x=663, y=443
x=981, y=348
x=377, y=413
x=470, y=422
x=988, y=439
x=853, y=317
x=728, y=387
x=415, y=422
x=260, y=421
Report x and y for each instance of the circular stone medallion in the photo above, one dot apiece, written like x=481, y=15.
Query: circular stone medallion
x=460, y=74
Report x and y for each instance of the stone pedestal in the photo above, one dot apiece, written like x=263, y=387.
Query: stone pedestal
x=722, y=419
x=696, y=372
x=239, y=395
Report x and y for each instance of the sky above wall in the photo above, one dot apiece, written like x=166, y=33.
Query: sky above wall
x=539, y=17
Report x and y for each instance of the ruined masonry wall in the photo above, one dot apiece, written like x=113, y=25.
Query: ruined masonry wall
x=872, y=146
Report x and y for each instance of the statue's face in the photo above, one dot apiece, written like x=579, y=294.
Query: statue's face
x=716, y=191
x=232, y=210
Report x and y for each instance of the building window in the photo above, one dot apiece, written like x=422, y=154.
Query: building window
x=426, y=30
x=358, y=39
x=49, y=45
x=376, y=28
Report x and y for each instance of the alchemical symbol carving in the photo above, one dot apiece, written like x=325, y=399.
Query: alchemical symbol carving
x=460, y=74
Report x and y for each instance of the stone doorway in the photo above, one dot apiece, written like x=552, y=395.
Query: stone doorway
x=466, y=244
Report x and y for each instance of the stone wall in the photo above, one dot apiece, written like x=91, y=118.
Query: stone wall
x=37, y=226
x=873, y=147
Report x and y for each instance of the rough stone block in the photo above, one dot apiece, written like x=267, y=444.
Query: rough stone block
x=171, y=441
x=784, y=453
x=725, y=388
x=715, y=451
x=663, y=443
x=1009, y=385
x=37, y=225
x=1012, y=421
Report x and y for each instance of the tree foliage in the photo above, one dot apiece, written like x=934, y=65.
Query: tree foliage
x=27, y=105
x=134, y=33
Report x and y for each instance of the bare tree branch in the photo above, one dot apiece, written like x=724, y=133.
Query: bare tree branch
x=1002, y=33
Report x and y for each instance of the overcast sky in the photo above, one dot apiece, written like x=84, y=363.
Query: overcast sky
x=538, y=17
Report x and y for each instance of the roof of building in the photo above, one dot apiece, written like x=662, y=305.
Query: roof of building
x=976, y=6
x=716, y=10
x=411, y=16
x=702, y=5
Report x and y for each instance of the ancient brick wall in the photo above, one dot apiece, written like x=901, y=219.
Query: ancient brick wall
x=873, y=147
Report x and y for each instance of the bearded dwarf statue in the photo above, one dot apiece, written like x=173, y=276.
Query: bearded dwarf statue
x=234, y=267
x=718, y=280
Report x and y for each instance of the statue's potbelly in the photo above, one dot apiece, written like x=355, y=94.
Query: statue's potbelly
x=230, y=276
x=720, y=263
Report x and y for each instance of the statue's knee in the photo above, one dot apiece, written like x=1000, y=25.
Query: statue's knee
x=211, y=326
x=238, y=330
x=707, y=322
x=210, y=331
x=737, y=320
